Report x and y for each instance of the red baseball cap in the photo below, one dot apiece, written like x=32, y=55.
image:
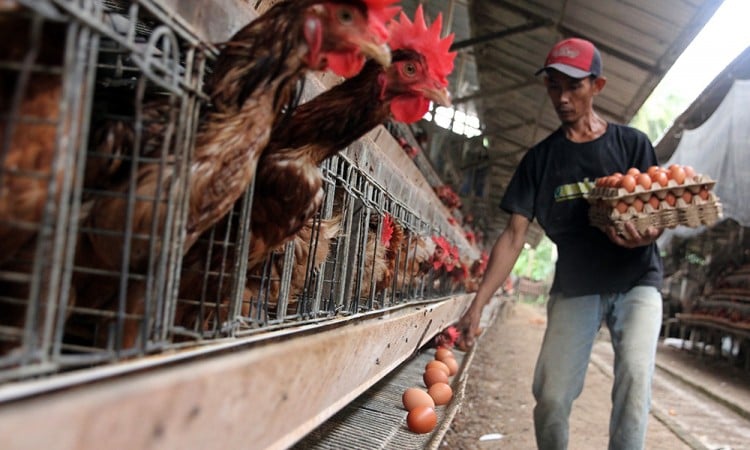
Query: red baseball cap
x=575, y=57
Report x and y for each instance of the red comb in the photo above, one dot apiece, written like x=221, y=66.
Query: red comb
x=379, y=12
x=418, y=37
x=387, y=231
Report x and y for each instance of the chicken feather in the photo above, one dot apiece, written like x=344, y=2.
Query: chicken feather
x=253, y=81
x=289, y=183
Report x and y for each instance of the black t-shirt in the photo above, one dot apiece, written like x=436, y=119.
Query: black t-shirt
x=550, y=184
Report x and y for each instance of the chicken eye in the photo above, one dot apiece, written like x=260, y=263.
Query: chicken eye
x=345, y=16
x=410, y=69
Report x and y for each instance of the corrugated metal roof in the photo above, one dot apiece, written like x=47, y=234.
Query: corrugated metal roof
x=501, y=44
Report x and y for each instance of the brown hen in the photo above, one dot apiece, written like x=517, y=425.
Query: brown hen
x=262, y=287
x=320, y=239
x=254, y=80
x=415, y=261
x=31, y=161
x=28, y=138
x=393, y=248
x=289, y=184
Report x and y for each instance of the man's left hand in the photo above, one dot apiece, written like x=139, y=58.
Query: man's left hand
x=631, y=238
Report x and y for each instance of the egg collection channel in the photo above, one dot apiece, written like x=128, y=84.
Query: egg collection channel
x=660, y=197
x=421, y=404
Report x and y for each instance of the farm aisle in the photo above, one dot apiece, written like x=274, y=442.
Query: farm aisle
x=499, y=401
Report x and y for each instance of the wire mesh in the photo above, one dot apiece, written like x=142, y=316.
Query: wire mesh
x=101, y=272
x=45, y=79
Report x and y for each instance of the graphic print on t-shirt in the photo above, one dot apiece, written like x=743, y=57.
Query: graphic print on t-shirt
x=572, y=191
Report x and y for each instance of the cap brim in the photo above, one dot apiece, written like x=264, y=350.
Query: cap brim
x=566, y=69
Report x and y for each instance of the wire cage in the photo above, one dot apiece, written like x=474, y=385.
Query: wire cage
x=98, y=271
x=358, y=254
x=105, y=93
x=129, y=247
x=46, y=73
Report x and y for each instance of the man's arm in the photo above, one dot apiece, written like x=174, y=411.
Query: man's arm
x=502, y=258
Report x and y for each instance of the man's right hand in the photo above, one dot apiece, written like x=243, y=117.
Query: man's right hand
x=468, y=325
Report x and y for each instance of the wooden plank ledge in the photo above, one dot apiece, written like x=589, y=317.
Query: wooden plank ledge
x=268, y=396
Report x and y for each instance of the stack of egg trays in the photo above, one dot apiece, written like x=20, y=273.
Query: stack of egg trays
x=697, y=212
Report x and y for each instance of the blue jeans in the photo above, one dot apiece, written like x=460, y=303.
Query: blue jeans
x=634, y=320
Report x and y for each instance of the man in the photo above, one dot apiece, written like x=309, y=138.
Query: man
x=598, y=277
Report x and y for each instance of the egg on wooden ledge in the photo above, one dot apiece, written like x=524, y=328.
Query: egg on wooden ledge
x=415, y=397
x=421, y=419
x=434, y=375
x=441, y=393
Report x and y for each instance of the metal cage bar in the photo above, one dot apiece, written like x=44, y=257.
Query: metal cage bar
x=98, y=285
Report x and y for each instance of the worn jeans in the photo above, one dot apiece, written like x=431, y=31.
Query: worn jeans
x=634, y=320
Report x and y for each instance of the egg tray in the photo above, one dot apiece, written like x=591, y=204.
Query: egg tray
x=702, y=212
x=612, y=196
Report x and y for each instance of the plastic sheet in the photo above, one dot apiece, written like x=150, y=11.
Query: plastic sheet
x=720, y=149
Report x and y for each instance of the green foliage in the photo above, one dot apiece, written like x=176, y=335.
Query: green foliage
x=658, y=113
x=537, y=263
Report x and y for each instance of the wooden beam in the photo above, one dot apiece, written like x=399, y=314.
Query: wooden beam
x=267, y=396
x=528, y=26
x=489, y=93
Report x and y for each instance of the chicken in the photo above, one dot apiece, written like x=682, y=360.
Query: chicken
x=448, y=196
x=446, y=338
x=253, y=83
x=197, y=313
x=29, y=111
x=445, y=260
x=254, y=80
x=371, y=265
x=476, y=272
x=460, y=277
x=266, y=284
x=32, y=164
x=415, y=261
x=289, y=184
x=393, y=239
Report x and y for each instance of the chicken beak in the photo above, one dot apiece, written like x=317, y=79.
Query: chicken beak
x=441, y=96
x=379, y=52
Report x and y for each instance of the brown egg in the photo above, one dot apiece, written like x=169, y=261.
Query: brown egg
x=614, y=179
x=670, y=199
x=677, y=174
x=434, y=375
x=421, y=419
x=600, y=182
x=438, y=364
x=644, y=180
x=703, y=193
x=627, y=182
x=637, y=204
x=452, y=365
x=621, y=207
x=441, y=393
x=653, y=170
x=414, y=397
x=442, y=353
x=660, y=177
x=633, y=171
x=689, y=172
x=687, y=196
x=654, y=202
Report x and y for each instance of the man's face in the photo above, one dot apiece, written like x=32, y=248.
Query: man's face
x=572, y=97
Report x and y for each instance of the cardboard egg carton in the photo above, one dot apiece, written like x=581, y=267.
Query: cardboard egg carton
x=612, y=196
x=694, y=214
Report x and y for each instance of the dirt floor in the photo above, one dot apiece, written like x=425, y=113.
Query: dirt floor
x=498, y=404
